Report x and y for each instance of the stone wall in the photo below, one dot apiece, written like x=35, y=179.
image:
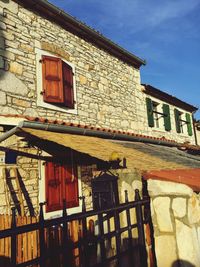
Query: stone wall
x=175, y=212
x=109, y=94
x=28, y=174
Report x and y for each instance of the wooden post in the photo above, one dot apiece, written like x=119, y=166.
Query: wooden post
x=130, y=246
x=65, y=235
x=41, y=236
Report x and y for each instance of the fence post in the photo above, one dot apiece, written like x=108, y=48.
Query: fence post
x=130, y=245
x=65, y=235
x=41, y=236
x=85, y=257
x=141, y=235
x=13, y=239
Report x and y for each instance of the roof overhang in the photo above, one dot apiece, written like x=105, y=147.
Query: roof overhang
x=150, y=90
x=190, y=177
x=59, y=137
x=71, y=24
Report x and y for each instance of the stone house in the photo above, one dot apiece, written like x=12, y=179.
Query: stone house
x=70, y=99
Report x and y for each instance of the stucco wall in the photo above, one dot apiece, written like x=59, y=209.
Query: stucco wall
x=175, y=212
x=109, y=94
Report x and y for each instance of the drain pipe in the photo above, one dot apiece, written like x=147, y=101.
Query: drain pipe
x=83, y=131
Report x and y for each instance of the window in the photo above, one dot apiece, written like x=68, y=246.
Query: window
x=61, y=184
x=182, y=120
x=155, y=114
x=57, y=79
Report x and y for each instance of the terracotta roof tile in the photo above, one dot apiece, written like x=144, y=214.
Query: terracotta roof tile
x=62, y=122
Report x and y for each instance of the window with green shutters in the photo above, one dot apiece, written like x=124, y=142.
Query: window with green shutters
x=189, y=123
x=181, y=121
x=177, y=115
x=167, y=119
x=156, y=114
x=150, y=117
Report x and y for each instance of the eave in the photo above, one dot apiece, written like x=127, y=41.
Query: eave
x=80, y=29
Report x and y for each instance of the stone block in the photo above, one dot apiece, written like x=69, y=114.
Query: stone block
x=83, y=80
x=165, y=246
x=10, y=5
x=2, y=98
x=193, y=209
x=156, y=188
x=16, y=68
x=2, y=25
x=179, y=207
x=11, y=84
x=187, y=243
x=161, y=207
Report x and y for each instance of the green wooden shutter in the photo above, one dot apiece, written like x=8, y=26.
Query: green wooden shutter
x=167, y=120
x=150, y=112
x=177, y=120
x=189, y=124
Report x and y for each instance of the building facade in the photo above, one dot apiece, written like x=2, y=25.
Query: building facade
x=69, y=98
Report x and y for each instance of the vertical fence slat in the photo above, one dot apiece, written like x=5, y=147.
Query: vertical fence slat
x=65, y=235
x=41, y=236
x=130, y=245
x=102, y=242
x=141, y=235
x=13, y=239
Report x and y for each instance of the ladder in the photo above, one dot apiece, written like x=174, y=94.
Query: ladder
x=13, y=192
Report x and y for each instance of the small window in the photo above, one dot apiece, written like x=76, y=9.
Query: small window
x=157, y=115
x=57, y=77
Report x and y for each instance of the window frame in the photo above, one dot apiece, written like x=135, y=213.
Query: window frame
x=40, y=101
x=156, y=114
x=183, y=122
x=42, y=193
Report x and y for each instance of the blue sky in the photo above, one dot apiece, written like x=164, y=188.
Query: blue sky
x=165, y=33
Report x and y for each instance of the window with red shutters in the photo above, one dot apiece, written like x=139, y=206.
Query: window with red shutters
x=54, y=192
x=68, y=85
x=70, y=189
x=61, y=184
x=57, y=79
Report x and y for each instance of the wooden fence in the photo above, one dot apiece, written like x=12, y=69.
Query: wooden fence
x=72, y=241
x=27, y=244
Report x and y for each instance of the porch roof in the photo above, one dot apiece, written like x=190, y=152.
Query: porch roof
x=142, y=156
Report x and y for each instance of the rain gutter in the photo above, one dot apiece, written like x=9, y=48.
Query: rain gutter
x=83, y=131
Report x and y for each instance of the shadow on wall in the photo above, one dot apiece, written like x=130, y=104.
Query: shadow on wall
x=182, y=263
x=3, y=60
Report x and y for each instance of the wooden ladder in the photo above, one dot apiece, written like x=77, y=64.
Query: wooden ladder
x=13, y=192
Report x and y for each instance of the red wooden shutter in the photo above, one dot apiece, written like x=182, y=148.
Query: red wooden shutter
x=70, y=188
x=52, y=79
x=68, y=85
x=54, y=193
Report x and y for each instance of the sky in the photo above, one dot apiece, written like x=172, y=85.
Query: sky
x=165, y=33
